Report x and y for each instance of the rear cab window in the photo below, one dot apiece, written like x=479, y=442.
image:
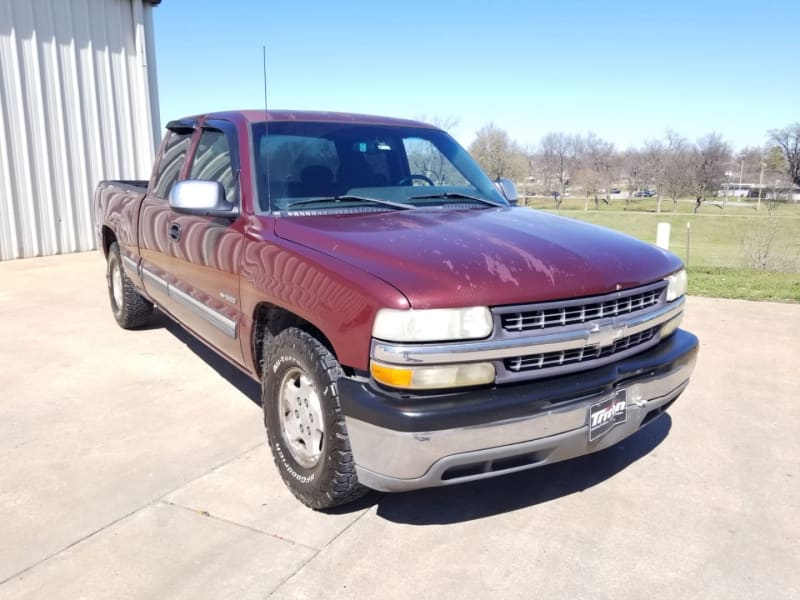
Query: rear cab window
x=173, y=156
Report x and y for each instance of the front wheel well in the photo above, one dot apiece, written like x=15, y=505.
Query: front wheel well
x=269, y=320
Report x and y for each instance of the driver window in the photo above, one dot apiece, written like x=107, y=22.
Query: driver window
x=425, y=159
x=212, y=162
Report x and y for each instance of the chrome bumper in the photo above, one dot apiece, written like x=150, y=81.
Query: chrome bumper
x=389, y=460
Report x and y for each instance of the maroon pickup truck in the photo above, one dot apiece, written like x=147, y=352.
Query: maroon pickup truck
x=409, y=326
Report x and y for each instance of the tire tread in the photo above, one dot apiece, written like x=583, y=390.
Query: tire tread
x=339, y=483
x=136, y=309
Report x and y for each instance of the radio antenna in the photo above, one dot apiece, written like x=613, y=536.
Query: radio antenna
x=263, y=145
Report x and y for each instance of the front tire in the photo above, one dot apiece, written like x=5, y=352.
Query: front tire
x=305, y=426
x=130, y=309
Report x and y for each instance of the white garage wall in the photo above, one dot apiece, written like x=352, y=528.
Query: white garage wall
x=78, y=104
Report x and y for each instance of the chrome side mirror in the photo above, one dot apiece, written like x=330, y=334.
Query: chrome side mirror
x=203, y=198
x=507, y=189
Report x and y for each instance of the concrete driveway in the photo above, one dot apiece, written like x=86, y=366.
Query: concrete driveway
x=132, y=465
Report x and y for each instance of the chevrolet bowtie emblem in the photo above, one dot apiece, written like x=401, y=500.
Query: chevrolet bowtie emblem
x=604, y=335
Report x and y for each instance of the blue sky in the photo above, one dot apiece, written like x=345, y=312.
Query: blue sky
x=625, y=70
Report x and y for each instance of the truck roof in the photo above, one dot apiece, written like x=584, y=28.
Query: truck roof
x=258, y=116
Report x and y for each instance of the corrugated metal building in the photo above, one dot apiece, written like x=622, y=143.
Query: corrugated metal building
x=78, y=103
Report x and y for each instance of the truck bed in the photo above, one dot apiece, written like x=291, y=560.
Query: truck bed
x=112, y=199
x=131, y=185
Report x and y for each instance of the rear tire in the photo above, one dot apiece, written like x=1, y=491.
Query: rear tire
x=305, y=426
x=130, y=309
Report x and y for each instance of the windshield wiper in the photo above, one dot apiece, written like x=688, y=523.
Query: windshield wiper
x=348, y=198
x=456, y=195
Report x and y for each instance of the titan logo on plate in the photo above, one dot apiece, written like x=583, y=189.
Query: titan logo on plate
x=606, y=414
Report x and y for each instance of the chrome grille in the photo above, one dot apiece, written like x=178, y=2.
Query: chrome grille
x=580, y=311
x=546, y=360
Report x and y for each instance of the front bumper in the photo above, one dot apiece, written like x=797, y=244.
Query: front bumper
x=404, y=442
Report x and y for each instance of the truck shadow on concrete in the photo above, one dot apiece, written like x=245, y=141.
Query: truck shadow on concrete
x=467, y=501
x=479, y=499
x=247, y=386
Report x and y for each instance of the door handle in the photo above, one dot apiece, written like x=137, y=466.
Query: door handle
x=175, y=231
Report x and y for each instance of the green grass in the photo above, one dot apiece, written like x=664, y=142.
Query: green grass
x=720, y=240
x=746, y=284
x=720, y=247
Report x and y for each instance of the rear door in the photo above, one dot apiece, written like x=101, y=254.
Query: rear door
x=155, y=214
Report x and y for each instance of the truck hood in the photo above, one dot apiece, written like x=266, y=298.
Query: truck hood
x=440, y=257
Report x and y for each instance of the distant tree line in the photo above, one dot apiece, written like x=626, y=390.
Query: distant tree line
x=668, y=168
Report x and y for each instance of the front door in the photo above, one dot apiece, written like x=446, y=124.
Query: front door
x=204, y=253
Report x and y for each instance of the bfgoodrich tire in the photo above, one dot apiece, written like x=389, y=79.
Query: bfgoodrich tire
x=305, y=426
x=130, y=309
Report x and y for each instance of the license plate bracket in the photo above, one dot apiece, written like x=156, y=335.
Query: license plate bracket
x=606, y=414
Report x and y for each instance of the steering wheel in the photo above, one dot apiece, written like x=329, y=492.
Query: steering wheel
x=412, y=177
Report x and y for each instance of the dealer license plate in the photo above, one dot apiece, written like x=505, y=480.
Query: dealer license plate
x=607, y=414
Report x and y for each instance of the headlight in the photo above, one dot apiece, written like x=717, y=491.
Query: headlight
x=676, y=285
x=437, y=324
x=435, y=377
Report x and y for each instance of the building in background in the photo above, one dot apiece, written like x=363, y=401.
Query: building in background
x=78, y=103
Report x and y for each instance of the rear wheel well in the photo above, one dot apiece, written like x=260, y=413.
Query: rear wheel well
x=108, y=238
x=269, y=320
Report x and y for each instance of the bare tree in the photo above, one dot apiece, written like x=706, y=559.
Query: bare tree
x=445, y=123
x=652, y=170
x=748, y=163
x=596, y=168
x=758, y=244
x=535, y=169
x=677, y=167
x=711, y=155
x=672, y=166
x=632, y=167
x=788, y=140
x=497, y=153
x=560, y=152
x=775, y=168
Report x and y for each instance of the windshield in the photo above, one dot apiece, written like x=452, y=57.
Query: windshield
x=344, y=164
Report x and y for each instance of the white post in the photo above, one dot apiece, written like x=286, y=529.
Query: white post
x=662, y=236
x=741, y=174
x=688, y=239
